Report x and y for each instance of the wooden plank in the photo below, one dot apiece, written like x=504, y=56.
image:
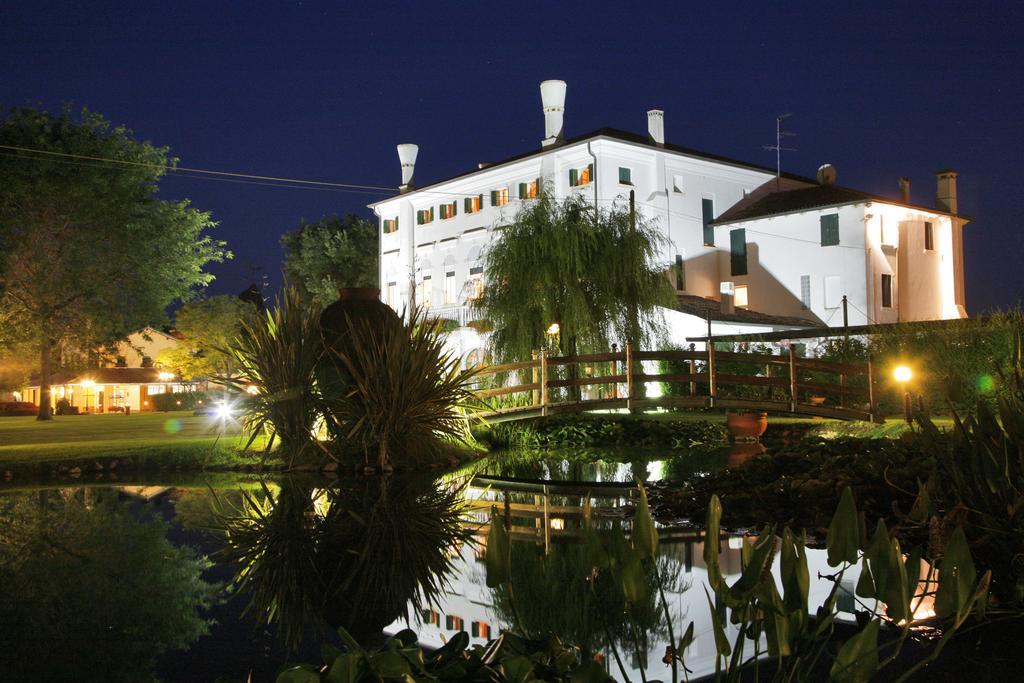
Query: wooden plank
x=832, y=389
x=758, y=358
x=586, y=358
x=752, y=380
x=506, y=367
x=831, y=366
x=687, y=377
x=668, y=355
x=587, y=381
x=503, y=391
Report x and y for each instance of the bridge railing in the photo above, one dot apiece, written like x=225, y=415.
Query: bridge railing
x=698, y=379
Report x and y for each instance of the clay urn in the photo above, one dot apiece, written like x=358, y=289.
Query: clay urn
x=746, y=425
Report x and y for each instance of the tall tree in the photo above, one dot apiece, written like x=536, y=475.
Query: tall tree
x=208, y=327
x=90, y=253
x=589, y=270
x=330, y=253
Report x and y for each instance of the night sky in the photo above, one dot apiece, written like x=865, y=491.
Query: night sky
x=324, y=91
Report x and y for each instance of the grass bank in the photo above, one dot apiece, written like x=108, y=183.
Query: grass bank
x=175, y=440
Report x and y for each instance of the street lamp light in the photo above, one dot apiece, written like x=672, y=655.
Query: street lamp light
x=902, y=374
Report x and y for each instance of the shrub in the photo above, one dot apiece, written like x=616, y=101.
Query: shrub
x=183, y=400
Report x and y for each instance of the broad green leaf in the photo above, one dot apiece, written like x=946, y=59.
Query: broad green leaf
x=596, y=553
x=877, y=555
x=865, y=584
x=712, y=544
x=858, y=657
x=980, y=596
x=793, y=568
x=299, y=674
x=843, y=535
x=751, y=576
x=346, y=669
x=517, y=669
x=498, y=556
x=645, y=535
x=632, y=578
x=956, y=575
x=328, y=653
x=389, y=664
x=896, y=595
x=407, y=637
x=722, y=645
x=686, y=641
x=588, y=671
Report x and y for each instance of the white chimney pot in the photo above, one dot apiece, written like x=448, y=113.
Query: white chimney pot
x=552, y=97
x=407, y=157
x=656, y=127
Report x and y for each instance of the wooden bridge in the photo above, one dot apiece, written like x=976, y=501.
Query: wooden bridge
x=784, y=384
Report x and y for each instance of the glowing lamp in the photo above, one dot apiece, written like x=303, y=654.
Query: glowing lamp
x=252, y=390
x=223, y=411
x=88, y=383
x=553, y=330
x=902, y=374
x=166, y=376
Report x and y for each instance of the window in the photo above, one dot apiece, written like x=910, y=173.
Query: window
x=738, y=251
x=453, y=623
x=480, y=630
x=581, y=176
x=707, y=209
x=476, y=282
x=625, y=175
x=886, y=291
x=833, y=291
x=424, y=216
x=739, y=298
x=426, y=293
x=529, y=190
x=473, y=204
x=677, y=184
x=499, y=197
x=680, y=273
x=929, y=239
x=805, y=291
x=449, y=210
x=391, y=295
x=390, y=225
x=429, y=616
x=449, y=287
x=830, y=230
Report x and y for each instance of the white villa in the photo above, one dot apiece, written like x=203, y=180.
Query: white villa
x=748, y=251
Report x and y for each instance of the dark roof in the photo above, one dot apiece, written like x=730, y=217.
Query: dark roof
x=802, y=199
x=703, y=308
x=106, y=376
x=615, y=134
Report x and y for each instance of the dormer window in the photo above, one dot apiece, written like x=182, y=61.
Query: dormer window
x=499, y=197
x=529, y=190
x=473, y=204
x=424, y=216
x=581, y=176
x=449, y=210
x=390, y=225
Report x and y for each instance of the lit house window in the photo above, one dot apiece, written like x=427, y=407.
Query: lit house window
x=499, y=197
x=581, y=176
x=529, y=190
x=449, y=287
x=473, y=204
x=830, y=230
x=476, y=282
x=390, y=225
x=424, y=216
x=740, y=297
x=480, y=630
x=449, y=210
x=929, y=238
x=426, y=291
x=430, y=616
x=453, y=623
x=886, y=290
x=625, y=175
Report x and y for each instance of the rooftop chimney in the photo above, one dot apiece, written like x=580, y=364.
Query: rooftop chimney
x=552, y=97
x=656, y=127
x=827, y=174
x=905, y=189
x=407, y=156
x=945, y=191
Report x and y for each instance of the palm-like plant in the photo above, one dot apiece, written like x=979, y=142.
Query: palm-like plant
x=406, y=396
x=278, y=355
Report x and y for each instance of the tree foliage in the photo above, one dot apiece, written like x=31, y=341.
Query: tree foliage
x=89, y=252
x=208, y=326
x=592, y=271
x=330, y=253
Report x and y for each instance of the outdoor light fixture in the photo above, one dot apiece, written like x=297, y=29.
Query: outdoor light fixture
x=223, y=411
x=553, y=330
x=166, y=376
x=252, y=390
x=902, y=374
x=87, y=383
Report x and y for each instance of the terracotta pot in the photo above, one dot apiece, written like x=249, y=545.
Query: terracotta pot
x=741, y=452
x=746, y=426
x=816, y=400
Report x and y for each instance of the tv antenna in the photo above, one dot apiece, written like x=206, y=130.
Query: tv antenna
x=778, y=148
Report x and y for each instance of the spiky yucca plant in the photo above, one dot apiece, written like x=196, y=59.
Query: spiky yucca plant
x=278, y=354
x=407, y=396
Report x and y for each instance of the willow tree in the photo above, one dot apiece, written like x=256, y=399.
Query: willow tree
x=592, y=271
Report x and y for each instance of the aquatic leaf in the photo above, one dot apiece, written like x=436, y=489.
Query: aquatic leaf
x=346, y=669
x=712, y=544
x=389, y=664
x=877, y=555
x=632, y=578
x=328, y=653
x=299, y=674
x=956, y=575
x=865, y=584
x=596, y=553
x=843, y=535
x=896, y=595
x=722, y=645
x=407, y=637
x=517, y=669
x=588, y=671
x=760, y=555
x=980, y=596
x=686, y=641
x=498, y=556
x=645, y=535
x=858, y=657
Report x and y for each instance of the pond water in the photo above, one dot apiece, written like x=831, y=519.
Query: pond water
x=131, y=582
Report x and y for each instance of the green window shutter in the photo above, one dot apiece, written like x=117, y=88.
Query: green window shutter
x=538, y=186
x=394, y=224
x=494, y=197
x=574, y=177
x=590, y=167
x=738, y=251
x=522, y=190
x=830, y=230
x=419, y=217
x=465, y=204
x=707, y=207
x=455, y=209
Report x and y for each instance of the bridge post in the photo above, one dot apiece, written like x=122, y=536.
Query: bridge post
x=543, y=382
x=712, y=384
x=692, y=364
x=629, y=376
x=871, y=388
x=535, y=372
x=792, y=380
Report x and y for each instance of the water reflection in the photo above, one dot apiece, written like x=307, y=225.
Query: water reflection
x=92, y=591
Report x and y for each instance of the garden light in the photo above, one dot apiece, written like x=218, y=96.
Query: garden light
x=223, y=411
x=902, y=374
x=165, y=376
x=553, y=329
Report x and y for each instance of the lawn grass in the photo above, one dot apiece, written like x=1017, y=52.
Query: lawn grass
x=180, y=438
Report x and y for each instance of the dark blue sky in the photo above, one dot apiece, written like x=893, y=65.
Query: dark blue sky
x=324, y=91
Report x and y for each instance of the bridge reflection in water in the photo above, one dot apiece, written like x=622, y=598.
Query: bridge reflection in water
x=781, y=384
x=550, y=571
